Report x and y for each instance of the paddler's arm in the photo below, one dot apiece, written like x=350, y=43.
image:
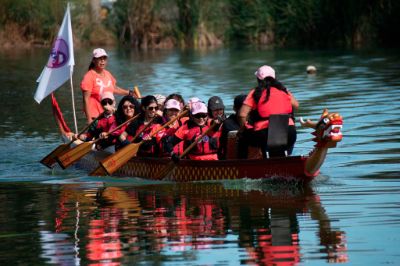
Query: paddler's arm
x=123, y=136
x=124, y=92
x=293, y=101
x=243, y=113
x=123, y=139
x=170, y=142
x=121, y=91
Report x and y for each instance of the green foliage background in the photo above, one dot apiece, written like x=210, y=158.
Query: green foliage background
x=208, y=23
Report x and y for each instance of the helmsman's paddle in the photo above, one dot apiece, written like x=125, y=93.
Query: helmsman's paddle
x=113, y=162
x=81, y=150
x=137, y=92
x=172, y=164
x=50, y=159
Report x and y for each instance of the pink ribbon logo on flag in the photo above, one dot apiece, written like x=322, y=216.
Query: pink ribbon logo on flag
x=59, y=54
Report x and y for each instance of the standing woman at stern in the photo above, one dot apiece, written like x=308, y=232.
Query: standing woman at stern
x=96, y=82
x=268, y=98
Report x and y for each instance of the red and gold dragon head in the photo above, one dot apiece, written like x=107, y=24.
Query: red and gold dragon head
x=328, y=130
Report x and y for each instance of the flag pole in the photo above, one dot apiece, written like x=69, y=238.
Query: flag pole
x=73, y=102
x=71, y=69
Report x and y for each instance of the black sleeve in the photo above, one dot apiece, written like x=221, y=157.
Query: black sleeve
x=169, y=143
x=132, y=128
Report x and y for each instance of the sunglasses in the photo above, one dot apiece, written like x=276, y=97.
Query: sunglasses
x=131, y=106
x=198, y=116
x=152, y=108
x=104, y=102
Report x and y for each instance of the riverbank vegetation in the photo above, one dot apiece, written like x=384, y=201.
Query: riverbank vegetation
x=204, y=23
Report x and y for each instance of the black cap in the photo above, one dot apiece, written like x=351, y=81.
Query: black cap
x=215, y=103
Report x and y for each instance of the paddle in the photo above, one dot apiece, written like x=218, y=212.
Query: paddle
x=81, y=150
x=137, y=92
x=117, y=159
x=171, y=165
x=49, y=160
x=113, y=162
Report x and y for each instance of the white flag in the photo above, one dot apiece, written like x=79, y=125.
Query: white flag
x=61, y=62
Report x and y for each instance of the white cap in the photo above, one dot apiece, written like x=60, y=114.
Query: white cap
x=160, y=98
x=265, y=71
x=193, y=100
x=107, y=95
x=172, y=104
x=99, y=52
x=198, y=107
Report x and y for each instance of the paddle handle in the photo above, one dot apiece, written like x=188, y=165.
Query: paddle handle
x=169, y=122
x=137, y=92
x=160, y=128
x=144, y=128
x=84, y=129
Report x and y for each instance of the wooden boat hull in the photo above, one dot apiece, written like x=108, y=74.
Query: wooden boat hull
x=288, y=168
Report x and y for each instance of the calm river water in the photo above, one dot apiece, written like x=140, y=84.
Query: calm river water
x=349, y=214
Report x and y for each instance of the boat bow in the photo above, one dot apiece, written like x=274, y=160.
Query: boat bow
x=328, y=132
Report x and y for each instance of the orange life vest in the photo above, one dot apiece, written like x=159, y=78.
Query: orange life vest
x=278, y=102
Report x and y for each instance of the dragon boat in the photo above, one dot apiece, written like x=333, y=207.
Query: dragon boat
x=327, y=133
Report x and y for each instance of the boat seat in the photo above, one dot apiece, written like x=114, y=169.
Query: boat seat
x=231, y=146
x=278, y=135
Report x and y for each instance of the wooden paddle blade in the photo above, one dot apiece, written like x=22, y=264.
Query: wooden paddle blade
x=165, y=171
x=74, y=154
x=50, y=159
x=113, y=162
x=99, y=171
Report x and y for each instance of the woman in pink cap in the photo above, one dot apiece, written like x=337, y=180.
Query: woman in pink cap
x=171, y=110
x=268, y=98
x=96, y=82
x=207, y=147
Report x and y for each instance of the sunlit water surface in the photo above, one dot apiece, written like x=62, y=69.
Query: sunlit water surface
x=349, y=214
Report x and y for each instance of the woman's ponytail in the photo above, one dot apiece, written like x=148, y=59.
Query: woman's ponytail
x=263, y=84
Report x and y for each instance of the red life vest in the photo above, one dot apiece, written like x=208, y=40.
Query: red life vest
x=149, y=148
x=118, y=132
x=169, y=132
x=279, y=102
x=208, y=145
x=103, y=125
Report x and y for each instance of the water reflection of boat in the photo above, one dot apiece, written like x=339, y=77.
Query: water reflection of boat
x=184, y=218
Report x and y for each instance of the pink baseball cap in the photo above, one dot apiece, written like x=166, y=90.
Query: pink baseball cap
x=193, y=100
x=172, y=104
x=107, y=95
x=265, y=71
x=99, y=52
x=160, y=98
x=198, y=107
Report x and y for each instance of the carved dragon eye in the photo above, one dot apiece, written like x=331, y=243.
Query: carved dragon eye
x=326, y=120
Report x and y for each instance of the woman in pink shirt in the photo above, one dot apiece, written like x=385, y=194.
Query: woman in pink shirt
x=96, y=82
